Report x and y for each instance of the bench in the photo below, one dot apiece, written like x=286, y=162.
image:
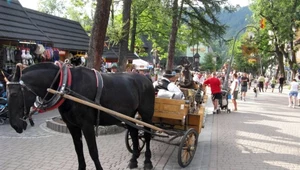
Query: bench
x=170, y=108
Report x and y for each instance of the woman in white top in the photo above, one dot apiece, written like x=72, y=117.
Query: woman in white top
x=234, y=91
x=294, y=86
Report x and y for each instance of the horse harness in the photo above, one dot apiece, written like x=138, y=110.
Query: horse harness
x=55, y=101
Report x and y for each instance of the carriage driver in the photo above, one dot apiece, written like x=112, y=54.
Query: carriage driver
x=215, y=87
x=166, y=84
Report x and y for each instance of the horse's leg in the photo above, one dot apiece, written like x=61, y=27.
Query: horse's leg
x=89, y=134
x=146, y=115
x=135, y=142
x=77, y=140
x=147, y=162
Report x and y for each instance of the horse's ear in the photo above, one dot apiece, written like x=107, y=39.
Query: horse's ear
x=17, y=74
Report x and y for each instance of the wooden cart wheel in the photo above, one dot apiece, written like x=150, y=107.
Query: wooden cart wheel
x=129, y=144
x=187, y=147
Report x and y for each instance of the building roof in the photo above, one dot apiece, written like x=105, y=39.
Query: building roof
x=15, y=23
x=64, y=33
x=112, y=52
x=18, y=23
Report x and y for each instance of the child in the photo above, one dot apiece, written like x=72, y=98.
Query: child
x=255, y=91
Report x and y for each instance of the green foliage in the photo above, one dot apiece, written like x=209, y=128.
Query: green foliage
x=77, y=10
x=209, y=63
x=280, y=17
x=115, y=31
x=53, y=7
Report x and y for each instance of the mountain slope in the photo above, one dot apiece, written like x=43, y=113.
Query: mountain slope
x=235, y=21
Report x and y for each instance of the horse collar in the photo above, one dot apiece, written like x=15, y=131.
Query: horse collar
x=65, y=80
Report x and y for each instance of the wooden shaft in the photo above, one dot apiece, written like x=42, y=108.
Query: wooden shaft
x=112, y=112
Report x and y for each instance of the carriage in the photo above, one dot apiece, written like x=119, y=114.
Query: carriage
x=172, y=119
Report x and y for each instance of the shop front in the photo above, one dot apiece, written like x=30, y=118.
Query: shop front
x=28, y=36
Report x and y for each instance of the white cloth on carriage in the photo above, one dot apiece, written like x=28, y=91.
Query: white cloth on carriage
x=162, y=93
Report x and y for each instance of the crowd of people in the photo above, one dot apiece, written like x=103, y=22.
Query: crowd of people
x=239, y=84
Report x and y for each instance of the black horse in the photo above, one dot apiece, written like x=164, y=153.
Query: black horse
x=5, y=76
x=126, y=93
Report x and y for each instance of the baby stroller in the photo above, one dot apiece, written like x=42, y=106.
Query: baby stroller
x=3, y=110
x=3, y=105
x=223, y=103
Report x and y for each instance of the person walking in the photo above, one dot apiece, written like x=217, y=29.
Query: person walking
x=281, y=81
x=250, y=80
x=244, y=84
x=266, y=83
x=273, y=82
x=294, y=86
x=234, y=91
x=261, y=80
x=215, y=87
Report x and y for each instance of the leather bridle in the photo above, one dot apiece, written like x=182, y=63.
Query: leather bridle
x=22, y=86
x=42, y=103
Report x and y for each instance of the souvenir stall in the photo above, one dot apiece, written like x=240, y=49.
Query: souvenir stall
x=25, y=52
x=29, y=36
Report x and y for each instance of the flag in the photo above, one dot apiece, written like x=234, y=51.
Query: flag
x=262, y=23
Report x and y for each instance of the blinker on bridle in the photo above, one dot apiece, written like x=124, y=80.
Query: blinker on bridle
x=22, y=86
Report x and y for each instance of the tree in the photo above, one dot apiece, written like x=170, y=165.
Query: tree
x=125, y=35
x=200, y=17
x=98, y=34
x=209, y=63
x=76, y=10
x=173, y=35
x=280, y=18
x=53, y=7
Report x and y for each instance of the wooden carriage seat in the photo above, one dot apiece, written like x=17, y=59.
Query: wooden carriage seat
x=170, y=108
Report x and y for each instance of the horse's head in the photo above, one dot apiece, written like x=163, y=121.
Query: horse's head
x=19, y=101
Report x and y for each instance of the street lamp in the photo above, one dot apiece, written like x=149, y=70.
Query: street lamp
x=196, y=61
x=225, y=84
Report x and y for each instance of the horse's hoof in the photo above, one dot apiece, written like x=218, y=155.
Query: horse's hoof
x=132, y=165
x=148, y=166
x=31, y=122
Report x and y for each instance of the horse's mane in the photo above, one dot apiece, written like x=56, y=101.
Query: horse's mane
x=45, y=65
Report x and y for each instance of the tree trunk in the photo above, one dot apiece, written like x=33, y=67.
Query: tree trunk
x=133, y=29
x=112, y=11
x=280, y=60
x=125, y=37
x=172, y=40
x=98, y=34
x=293, y=61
